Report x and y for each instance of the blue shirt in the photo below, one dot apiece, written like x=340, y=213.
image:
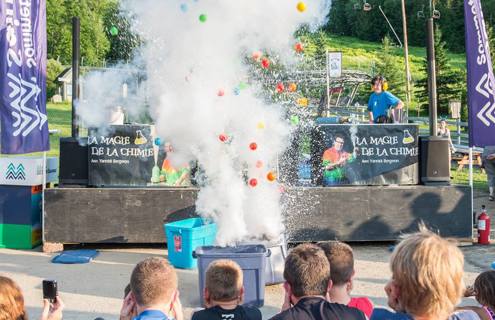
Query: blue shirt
x=384, y=314
x=380, y=103
x=151, y=315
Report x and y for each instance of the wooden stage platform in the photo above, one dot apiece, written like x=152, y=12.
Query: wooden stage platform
x=378, y=213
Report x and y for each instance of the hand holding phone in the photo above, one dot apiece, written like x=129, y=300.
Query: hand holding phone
x=50, y=290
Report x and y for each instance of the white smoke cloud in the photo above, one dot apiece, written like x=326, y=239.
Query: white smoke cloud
x=187, y=63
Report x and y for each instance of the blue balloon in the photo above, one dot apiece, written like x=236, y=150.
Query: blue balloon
x=159, y=142
x=237, y=91
x=183, y=7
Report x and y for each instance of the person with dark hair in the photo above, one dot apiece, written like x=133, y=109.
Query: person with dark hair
x=381, y=101
x=154, y=292
x=341, y=259
x=307, y=281
x=334, y=160
x=484, y=292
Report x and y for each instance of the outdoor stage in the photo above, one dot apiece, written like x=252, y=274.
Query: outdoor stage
x=377, y=213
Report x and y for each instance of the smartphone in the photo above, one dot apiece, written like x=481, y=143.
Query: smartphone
x=50, y=290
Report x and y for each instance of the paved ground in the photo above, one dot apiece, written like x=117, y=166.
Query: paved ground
x=96, y=289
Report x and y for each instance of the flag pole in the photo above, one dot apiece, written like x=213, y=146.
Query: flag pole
x=43, y=200
x=471, y=183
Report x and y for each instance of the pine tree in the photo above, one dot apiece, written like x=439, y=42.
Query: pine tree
x=449, y=80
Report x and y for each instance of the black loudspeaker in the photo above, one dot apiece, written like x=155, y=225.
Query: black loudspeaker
x=435, y=160
x=73, y=161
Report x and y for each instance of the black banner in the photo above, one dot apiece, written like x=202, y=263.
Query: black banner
x=365, y=154
x=122, y=155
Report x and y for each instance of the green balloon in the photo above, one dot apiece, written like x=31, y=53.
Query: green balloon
x=242, y=85
x=294, y=120
x=114, y=31
x=202, y=17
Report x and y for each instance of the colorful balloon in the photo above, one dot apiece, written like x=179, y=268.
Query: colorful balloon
x=221, y=93
x=299, y=47
x=259, y=164
x=260, y=125
x=257, y=55
x=237, y=91
x=159, y=142
x=493, y=265
x=223, y=137
x=114, y=31
x=242, y=85
x=253, y=182
x=292, y=87
x=202, y=17
x=303, y=102
x=253, y=146
x=183, y=7
x=280, y=87
x=265, y=63
x=294, y=120
x=271, y=176
x=301, y=6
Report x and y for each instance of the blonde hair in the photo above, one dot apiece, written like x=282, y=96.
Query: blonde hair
x=11, y=301
x=428, y=271
x=153, y=281
x=224, y=280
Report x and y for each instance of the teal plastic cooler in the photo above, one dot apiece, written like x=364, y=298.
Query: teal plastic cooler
x=184, y=236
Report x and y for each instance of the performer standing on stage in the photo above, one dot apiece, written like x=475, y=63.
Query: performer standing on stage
x=381, y=101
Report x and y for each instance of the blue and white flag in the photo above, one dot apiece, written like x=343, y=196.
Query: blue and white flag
x=480, y=79
x=23, y=121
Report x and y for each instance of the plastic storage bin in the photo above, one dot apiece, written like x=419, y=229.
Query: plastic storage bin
x=186, y=235
x=251, y=259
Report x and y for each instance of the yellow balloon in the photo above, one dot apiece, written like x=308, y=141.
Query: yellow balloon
x=260, y=125
x=301, y=6
x=303, y=102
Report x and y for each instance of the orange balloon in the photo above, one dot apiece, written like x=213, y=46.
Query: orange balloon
x=292, y=87
x=271, y=176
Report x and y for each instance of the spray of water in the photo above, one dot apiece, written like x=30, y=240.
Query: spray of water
x=200, y=94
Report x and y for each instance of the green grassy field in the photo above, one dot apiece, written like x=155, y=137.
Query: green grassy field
x=59, y=118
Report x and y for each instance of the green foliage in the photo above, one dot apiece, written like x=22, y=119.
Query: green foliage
x=450, y=81
x=53, y=69
x=391, y=67
x=118, y=31
x=347, y=17
x=94, y=43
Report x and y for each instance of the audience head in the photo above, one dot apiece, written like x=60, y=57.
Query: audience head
x=154, y=282
x=341, y=261
x=11, y=300
x=427, y=275
x=484, y=288
x=307, y=271
x=223, y=282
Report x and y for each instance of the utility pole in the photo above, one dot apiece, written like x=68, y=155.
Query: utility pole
x=406, y=59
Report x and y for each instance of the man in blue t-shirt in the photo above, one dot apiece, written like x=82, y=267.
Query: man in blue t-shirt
x=381, y=100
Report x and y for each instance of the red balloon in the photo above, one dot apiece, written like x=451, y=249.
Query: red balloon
x=253, y=146
x=299, y=47
x=253, y=182
x=223, y=137
x=259, y=164
x=280, y=87
x=221, y=93
x=265, y=63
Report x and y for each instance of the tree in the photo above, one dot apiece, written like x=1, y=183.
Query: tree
x=94, y=43
x=449, y=80
x=53, y=69
x=392, y=69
